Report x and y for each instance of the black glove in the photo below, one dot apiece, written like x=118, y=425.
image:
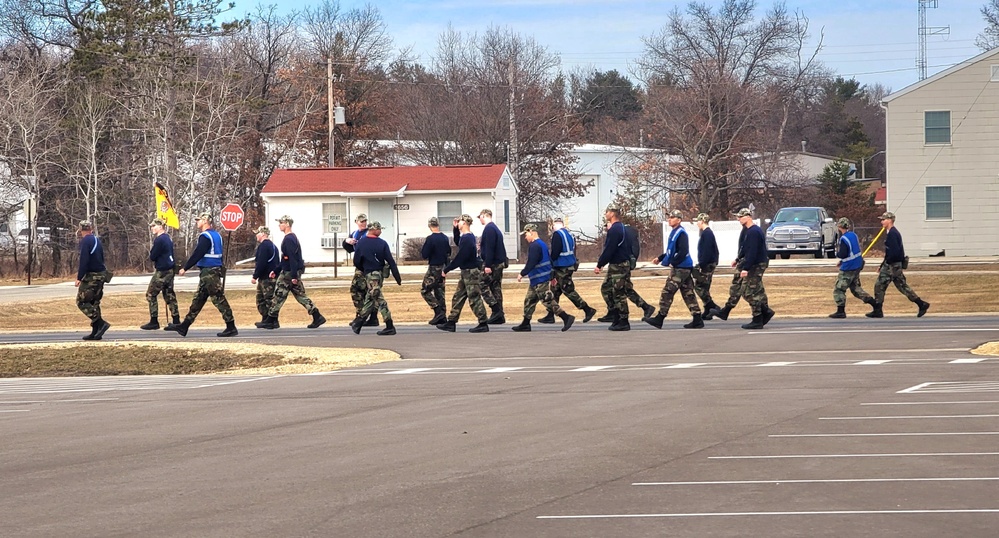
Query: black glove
x=398, y=280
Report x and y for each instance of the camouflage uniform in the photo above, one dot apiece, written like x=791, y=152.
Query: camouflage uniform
x=849, y=280
x=283, y=287
x=432, y=290
x=891, y=273
x=679, y=280
x=492, y=285
x=162, y=282
x=702, y=282
x=373, y=299
x=753, y=291
x=89, y=295
x=265, y=294
x=616, y=286
x=564, y=285
x=468, y=289
x=541, y=293
x=358, y=289
x=210, y=286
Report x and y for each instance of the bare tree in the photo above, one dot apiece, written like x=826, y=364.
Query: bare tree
x=988, y=39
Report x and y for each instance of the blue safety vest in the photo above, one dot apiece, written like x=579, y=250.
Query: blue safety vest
x=855, y=260
x=688, y=262
x=566, y=258
x=542, y=272
x=214, y=256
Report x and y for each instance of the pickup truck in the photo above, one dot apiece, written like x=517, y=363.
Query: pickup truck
x=801, y=230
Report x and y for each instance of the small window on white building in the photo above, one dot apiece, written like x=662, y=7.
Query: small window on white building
x=506, y=182
x=937, y=126
x=334, y=217
x=506, y=216
x=939, y=205
x=447, y=211
x=995, y=74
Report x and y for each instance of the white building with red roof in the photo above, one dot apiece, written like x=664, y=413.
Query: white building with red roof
x=325, y=201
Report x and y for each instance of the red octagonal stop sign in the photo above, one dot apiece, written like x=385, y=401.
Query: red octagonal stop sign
x=231, y=217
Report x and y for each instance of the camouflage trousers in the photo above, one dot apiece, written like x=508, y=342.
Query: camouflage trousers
x=891, y=273
x=615, y=288
x=283, y=287
x=749, y=288
x=540, y=293
x=492, y=285
x=162, y=282
x=373, y=298
x=848, y=280
x=563, y=284
x=702, y=281
x=629, y=292
x=358, y=289
x=432, y=290
x=468, y=289
x=679, y=280
x=89, y=295
x=265, y=295
x=210, y=287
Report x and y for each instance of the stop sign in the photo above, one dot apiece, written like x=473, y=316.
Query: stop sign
x=231, y=217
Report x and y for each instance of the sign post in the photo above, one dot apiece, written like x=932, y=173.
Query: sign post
x=335, y=225
x=231, y=218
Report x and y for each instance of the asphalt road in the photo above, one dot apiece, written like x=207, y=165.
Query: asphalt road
x=809, y=428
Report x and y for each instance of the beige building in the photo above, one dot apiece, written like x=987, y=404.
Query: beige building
x=942, y=155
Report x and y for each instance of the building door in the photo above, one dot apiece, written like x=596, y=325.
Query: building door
x=381, y=210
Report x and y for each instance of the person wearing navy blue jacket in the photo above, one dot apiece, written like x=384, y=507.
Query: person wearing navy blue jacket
x=436, y=250
x=851, y=261
x=751, y=268
x=161, y=254
x=539, y=270
x=266, y=260
x=207, y=256
x=677, y=258
x=564, y=264
x=358, y=288
x=90, y=278
x=891, y=270
x=289, y=279
x=494, y=261
x=616, y=255
x=371, y=256
x=468, y=288
x=707, y=262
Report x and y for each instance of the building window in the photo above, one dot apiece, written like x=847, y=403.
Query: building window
x=3, y=228
x=995, y=74
x=506, y=182
x=938, y=203
x=334, y=215
x=937, y=126
x=447, y=211
x=506, y=216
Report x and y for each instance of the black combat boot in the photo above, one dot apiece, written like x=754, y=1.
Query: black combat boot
x=656, y=321
x=648, y=310
x=263, y=320
x=840, y=312
x=93, y=330
x=767, y=315
x=524, y=327
x=923, y=307
x=439, y=316
x=482, y=327
x=549, y=317
x=389, y=329
x=708, y=316
x=173, y=324
x=154, y=323
x=498, y=317
x=588, y=313
x=317, y=319
x=183, y=327
x=357, y=324
x=230, y=330
x=372, y=320
x=567, y=320
x=448, y=326
x=696, y=323
x=757, y=323
x=620, y=323
x=270, y=323
x=610, y=317
x=100, y=327
x=876, y=311
x=721, y=313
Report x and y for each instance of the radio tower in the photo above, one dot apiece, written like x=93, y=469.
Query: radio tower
x=926, y=31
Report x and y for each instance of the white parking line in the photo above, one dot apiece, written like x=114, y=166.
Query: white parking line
x=897, y=434
x=907, y=417
x=967, y=361
x=590, y=368
x=876, y=455
x=871, y=362
x=934, y=403
x=776, y=364
x=408, y=371
x=500, y=370
x=820, y=481
x=804, y=513
x=14, y=410
x=685, y=365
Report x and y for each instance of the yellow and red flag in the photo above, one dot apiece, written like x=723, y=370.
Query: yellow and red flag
x=164, y=209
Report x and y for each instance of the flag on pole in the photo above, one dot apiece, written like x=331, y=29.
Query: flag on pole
x=164, y=209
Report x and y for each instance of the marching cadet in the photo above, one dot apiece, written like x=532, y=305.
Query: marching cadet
x=267, y=260
x=850, y=263
x=90, y=278
x=494, y=260
x=207, y=256
x=677, y=258
x=707, y=261
x=371, y=256
x=161, y=254
x=891, y=270
x=635, y=245
x=358, y=288
x=436, y=250
x=539, y=270
x=564, y=264
x=616, y=256
x=750, y=265
x=468, y=287
x=289, y=280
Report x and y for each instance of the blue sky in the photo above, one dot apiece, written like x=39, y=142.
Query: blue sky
x=874, y=41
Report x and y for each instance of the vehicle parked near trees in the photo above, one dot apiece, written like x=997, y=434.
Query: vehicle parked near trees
x=801, y=230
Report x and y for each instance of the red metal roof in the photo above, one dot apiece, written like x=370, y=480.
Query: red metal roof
x=881, y=196
x=384, y=179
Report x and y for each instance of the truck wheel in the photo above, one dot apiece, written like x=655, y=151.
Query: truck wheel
x=785, y=255
x=771, y=255
x=821, y=253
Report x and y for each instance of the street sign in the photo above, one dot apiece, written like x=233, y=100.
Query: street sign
x=335, y=224
x=400, y=207
x=231, y=217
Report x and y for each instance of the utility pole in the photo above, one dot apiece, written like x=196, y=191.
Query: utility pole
x=329, y=106
x=926, y=31
x=512, y=160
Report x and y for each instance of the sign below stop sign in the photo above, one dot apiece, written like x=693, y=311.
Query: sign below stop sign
x=231, y=217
